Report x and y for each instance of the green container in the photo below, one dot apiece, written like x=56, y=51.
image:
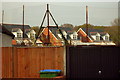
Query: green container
x=48, y=74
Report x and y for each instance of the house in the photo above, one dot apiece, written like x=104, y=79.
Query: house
x=97, y=35
x=17, y=30
x=83, y=36
x=5, y=37
x=94, y=37
x=70, y=35
x=56, y=38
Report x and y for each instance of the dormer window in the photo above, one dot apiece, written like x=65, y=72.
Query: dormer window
x=74, y=36
x=97, y=38
x=32, y=35
x=106, y=38
x=19, y=35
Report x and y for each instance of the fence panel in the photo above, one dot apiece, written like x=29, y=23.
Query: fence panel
x=93, y=62
x=27, y=62
x=7, y=62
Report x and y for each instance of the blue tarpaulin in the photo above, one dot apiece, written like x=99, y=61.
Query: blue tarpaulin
x=50, y=70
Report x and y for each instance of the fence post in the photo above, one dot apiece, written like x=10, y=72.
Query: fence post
x=64, y=55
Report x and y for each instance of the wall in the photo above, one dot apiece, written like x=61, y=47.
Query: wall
x=6, y=41
x=85, y=38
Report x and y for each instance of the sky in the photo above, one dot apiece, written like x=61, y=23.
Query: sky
x=100, y=13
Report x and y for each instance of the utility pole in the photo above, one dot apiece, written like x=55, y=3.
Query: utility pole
x=87, y=20
x=87, y=23
x=48, y=24
x=2, y=17
x=23, y=23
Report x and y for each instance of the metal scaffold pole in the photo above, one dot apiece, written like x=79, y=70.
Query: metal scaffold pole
x=48, y=14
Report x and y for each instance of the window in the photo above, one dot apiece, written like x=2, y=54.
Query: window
x=74, y=36
x=106, y=38
x=97, y=38
x=32, y=35
x=19, y=35
x=80, y=38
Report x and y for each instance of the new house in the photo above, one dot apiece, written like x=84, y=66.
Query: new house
x=56, y=38
x=17, y=31
x=94, y=36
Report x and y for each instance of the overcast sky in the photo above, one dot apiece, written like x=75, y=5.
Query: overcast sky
x=100, y=13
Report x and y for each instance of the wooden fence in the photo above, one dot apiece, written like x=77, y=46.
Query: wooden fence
x=34, y=79
x=27, y=62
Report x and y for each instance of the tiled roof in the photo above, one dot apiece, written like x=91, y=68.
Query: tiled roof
x=66, y=29
x=15, y=29
x=103, y=33
x=93, y=33
x=92, y=30
x=5, y=31
x=12, y=26
x=27, y=30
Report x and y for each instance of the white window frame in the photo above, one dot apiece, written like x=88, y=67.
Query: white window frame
x=19, y=35
x=97, y=38
x=106, y=39
x=75, y=37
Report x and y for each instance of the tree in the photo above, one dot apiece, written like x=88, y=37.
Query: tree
x=68, y=25
x=82, y=26
x=115, y=22
x=89, y=26
x=114, y=31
